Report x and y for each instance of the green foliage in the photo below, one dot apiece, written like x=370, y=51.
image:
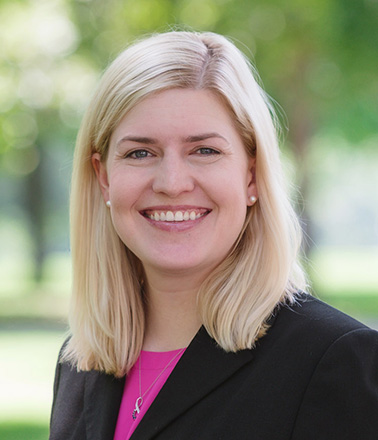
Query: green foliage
x=317, y=55
x=317, y=58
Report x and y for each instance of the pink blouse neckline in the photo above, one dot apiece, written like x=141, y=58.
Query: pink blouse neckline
x=151, y=364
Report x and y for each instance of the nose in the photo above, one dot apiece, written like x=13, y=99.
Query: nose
x=173, y=176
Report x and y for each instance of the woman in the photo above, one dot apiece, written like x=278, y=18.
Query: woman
x=188, y=319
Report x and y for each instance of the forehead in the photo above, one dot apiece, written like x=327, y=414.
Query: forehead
x=184, y=109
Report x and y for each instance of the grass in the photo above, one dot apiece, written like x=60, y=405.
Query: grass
x=23, y=431
x=362, y=307
x=27, y=365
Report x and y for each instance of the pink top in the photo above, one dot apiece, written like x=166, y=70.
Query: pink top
x=151, y=365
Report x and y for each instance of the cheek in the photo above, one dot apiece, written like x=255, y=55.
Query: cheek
x=235, y=196
x=230, y=195
x=124, y=188
x=234, y=184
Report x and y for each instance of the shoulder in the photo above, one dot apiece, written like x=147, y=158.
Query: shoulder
x=68, y=381
x=310, y=319
x=340, y=390
x=310, y=329
x=68, y=401
x=303, y=332
x=324, y=334
x=76, y=398
x=307, y=338
x=321, y=369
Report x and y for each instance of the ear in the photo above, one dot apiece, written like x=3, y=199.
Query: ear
x=102, y=174
x=252, y=193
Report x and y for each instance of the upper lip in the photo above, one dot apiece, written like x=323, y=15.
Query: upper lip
x=175, y=208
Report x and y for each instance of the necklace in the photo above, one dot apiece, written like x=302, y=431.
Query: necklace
x=139, y=400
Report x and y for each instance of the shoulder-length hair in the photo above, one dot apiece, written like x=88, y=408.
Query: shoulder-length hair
x=262, y=270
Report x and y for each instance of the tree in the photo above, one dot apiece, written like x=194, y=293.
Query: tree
x=318, y=59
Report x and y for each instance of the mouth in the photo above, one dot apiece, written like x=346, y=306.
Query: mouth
x=175, y=215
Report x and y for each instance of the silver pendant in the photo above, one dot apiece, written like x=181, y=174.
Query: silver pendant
x=138, y=404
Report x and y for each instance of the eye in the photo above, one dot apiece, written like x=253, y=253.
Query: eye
x=206, y=151
x=138, y=154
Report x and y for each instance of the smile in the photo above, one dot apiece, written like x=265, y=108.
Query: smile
x=177, y=216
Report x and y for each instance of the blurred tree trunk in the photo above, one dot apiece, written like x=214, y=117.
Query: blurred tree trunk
x=302, y=126
x=35, y=207
x=301, y=135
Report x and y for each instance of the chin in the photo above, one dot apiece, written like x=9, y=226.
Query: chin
x=175, y=267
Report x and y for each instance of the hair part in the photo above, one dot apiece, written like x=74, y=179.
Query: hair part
x=107, y=313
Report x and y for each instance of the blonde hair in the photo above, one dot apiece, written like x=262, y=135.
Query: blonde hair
x=262, y=270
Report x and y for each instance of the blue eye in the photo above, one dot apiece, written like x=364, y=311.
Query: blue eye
x=206, y=151
x=138, y=154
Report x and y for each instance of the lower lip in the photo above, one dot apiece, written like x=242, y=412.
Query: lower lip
x=176, y=226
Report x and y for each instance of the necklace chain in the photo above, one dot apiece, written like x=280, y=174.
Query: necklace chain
x=139, y=400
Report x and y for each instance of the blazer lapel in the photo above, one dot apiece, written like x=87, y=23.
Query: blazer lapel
x=202, y=368
x=102, y=399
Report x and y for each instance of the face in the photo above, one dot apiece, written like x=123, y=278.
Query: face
x=178, y=179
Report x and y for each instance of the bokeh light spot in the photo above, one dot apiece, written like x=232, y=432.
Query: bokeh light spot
x=22, y=161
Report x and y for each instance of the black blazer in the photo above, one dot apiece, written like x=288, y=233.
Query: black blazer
x=313, y=376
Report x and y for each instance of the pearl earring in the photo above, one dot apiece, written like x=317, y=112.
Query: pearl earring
x=252, y=199
x=108, y=204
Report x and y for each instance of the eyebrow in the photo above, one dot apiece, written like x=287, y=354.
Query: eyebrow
x=204, y=136
x=138, y=139
x=151, y=141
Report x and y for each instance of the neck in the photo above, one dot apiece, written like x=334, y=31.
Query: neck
x=172, y=318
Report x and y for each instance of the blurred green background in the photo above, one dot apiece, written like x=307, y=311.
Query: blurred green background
x=319, y=61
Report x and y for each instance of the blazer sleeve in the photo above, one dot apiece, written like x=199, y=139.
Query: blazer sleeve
x=341, y=400
x=66, y=422
x=56, y=387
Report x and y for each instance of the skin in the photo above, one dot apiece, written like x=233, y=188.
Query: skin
x=177, y=150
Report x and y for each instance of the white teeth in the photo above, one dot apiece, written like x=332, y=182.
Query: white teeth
x=178, y=216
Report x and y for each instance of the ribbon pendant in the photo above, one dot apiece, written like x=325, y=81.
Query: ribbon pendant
x=138, y=404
